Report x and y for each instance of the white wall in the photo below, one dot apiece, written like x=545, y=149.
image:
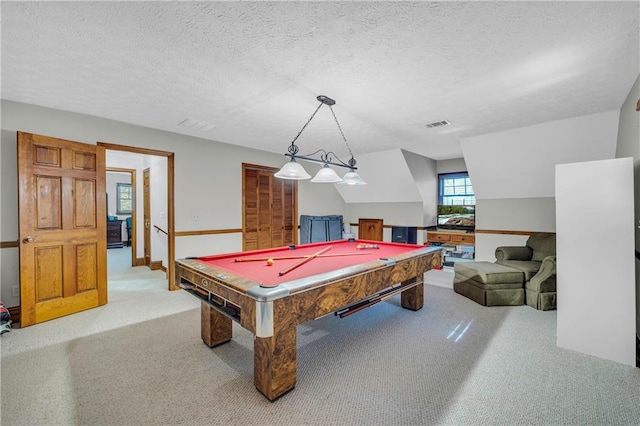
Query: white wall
x=140, y=162
x=402, y=189
x=113, y=179
x=520, y=163
x=208, y=178
x=596, y=280
x=513, y=172
x=513, y=214
x=629, y=146
x=628, y=143
x=392, y=214
x=159, y=204
x=451, y=166
x=318, y=199
x=200, y=245
x=9, y=266
x=388, y=179
x=425, y=175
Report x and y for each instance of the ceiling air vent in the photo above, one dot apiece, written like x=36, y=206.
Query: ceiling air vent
x=196, y=125
x=437, y=124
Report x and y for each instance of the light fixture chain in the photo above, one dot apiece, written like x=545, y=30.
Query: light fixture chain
x=341, y=132
x=294, y=170
x=293, y=146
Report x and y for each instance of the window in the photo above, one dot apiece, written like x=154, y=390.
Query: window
x=455, y=190
x=124, y=198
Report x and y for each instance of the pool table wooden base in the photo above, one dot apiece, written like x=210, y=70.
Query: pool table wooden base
x=275, y=357
x=273, y=314
x=216, y=328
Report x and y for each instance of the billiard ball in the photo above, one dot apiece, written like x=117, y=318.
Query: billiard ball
x=270, y=262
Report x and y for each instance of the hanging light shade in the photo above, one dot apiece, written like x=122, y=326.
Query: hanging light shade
x=326, y=175
x=293, y=170
x=352, y=178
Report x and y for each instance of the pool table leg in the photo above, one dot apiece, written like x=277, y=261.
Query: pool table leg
x=274, y=362
x=215, y=327
x=413, y=298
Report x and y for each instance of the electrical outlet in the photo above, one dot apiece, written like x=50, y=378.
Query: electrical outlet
x=15, y=291
x=195, y=216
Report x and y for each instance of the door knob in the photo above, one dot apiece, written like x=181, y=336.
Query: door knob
x=27, y=240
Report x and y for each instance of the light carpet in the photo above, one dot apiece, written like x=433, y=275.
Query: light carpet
x=139, y=360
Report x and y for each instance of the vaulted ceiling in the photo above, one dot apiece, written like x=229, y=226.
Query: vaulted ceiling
x=253, y=69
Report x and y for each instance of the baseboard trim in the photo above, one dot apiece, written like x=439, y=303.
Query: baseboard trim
x=157, y=265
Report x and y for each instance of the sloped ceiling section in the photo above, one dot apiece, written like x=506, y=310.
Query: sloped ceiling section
x=388, y=178
x=425, y=175
x=520, y=163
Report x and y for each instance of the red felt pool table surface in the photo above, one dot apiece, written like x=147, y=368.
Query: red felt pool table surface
x=349, y=281
x=342, y=254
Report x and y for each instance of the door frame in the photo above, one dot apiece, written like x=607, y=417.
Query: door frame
x=146, y=214
x=170, y=156
x=132, y=173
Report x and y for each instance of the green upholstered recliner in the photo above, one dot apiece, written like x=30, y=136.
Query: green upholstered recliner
x=537, y=260
x=489, y=284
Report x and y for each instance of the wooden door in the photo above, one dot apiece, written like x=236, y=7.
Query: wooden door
x=370, y=229
x=62, y=227
x=265, y=225
x=146, y=186
x=277, y=214
x=269, y=209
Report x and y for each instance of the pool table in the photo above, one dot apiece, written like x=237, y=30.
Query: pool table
x=269, y=292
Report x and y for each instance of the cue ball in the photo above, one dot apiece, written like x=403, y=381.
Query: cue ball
x=270, y=262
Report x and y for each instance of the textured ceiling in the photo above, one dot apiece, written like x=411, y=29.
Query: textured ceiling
x=253, y=69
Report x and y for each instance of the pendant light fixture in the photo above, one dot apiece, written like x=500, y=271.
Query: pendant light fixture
x=293, y=169
x=326, y=175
